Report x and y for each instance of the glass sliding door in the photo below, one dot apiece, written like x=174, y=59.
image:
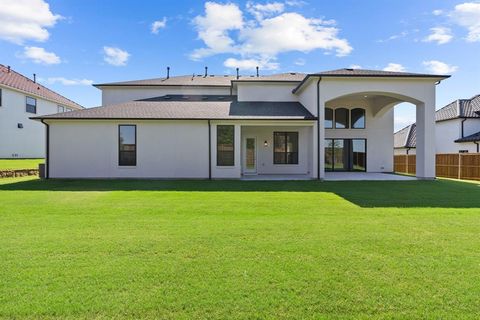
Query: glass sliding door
x=345, y=154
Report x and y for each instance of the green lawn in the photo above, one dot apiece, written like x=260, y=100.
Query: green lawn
x=17, y=164
x=241, y=250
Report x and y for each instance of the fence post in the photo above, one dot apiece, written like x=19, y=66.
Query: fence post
x=459, y=166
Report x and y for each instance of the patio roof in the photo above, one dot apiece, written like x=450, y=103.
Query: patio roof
x=191, y=107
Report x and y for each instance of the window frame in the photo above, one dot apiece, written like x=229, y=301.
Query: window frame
x=223, y=165
x=364, y=118
x=119, y=146
x=30, y=105
x=325, y=118
x=350, y=154
x=347, y=122
x=62, y=108
x=285, y=134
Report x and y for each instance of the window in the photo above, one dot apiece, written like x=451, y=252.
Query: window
x=60, y=109
x=285, y=148
x=358, y=118
x=127, y=145
x=341, y=118
x=225, y=146
x=31, y=106
x=328, y=118
x=68, y=109
x=345, y=155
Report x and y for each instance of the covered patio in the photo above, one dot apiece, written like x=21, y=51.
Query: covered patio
x=332, y=176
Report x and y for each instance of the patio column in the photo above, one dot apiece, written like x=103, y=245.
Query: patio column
x=321, y=142
x=425, y=165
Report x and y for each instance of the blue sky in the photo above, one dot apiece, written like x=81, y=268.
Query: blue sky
x=70, y=44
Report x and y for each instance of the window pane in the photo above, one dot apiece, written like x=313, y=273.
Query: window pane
x=285, y=147
x=340, y=155
x=225, y=145
x=328, y=154
x=358, y=118
x=328, y=118
x=31, y=101
x=61, y=109
x=359, y=149
x=341, y=118
x=127, y=145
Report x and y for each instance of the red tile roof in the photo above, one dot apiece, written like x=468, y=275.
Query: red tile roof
x=17, y=81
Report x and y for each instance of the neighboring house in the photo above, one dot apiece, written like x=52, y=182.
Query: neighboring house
x=21, y=98
x=227, y=127
x=457, y=129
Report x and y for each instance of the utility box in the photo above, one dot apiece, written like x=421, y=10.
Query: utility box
x=41, y=170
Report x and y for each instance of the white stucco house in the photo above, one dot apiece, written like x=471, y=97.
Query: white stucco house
x=20, y=99
x=219, y=127
x=457, y=129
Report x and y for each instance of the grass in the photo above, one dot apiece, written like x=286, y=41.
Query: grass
x=18, y=164
x=239, y=249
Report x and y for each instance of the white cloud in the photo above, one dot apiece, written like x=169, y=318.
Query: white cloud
x=300, y=62
x=440, y=35
x=439, y=67
x=395, y=67
x=468, y=15
x=437, y=12
x=213, y=28
x=400, y=35
x=22, y=20
x=70, y=82
x=223, y=29
x=292, y=32
x=250, y=64
x=159, y=24
x=355, y=66
x=115, y=56
x=39, y=55
x=259, y=11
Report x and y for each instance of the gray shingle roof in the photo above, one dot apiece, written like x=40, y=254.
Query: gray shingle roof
x=209, y=80
x=463, y=108
x=406, y=138
x=192, y=107
x=15, y=80
x=471, y=138
x=364, y=73
x=373, y=73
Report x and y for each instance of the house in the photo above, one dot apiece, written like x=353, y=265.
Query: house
x=226, y=127
x=457, y=129
x=21, y=98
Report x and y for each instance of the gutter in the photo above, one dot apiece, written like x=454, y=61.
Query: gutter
x=47, y=151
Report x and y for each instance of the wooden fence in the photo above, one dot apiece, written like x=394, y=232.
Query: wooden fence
x=449, y=165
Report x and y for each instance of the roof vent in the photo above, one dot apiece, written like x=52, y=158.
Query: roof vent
x=34, y=78
x=8, y=69
x=168, y=72
x=293, y=73
x=238, y=75
x=257, y=72
x=206, y=71
x=349, y=69
x=212, y=75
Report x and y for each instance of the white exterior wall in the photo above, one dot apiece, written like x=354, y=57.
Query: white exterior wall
x=265, y=163
x=266, y=91
x=114, y=95
x=165, y=149
x=28, y=142
x=449, y=131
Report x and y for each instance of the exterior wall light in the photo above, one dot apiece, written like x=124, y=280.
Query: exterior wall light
x=265, y=143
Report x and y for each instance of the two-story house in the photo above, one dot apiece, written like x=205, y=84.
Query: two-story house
x=457, y=129
x=228, y=127
x=20, y=99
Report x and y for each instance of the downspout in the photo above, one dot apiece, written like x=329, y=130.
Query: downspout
x=47, y=151
x=478, y=146
x=408, y=151
x=463, y=121
x=209, y=151
x=318, y=127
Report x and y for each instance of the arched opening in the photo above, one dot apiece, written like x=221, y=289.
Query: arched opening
x=360, y=127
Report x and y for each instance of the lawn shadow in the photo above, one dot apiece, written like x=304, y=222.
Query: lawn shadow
x=438, y=194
